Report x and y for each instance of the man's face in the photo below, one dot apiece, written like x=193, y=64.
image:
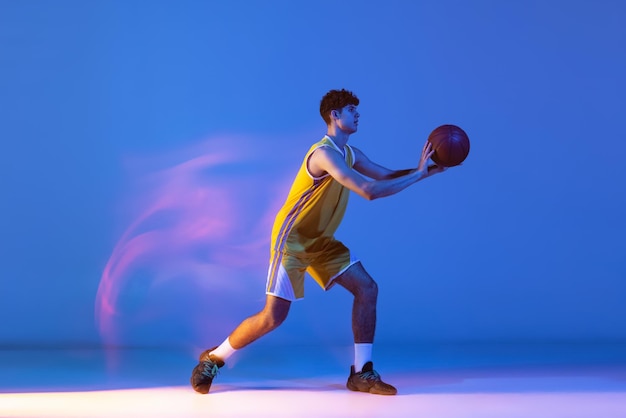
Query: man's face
x=348, y=119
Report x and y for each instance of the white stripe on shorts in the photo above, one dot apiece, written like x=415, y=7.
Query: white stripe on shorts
x=281, y=285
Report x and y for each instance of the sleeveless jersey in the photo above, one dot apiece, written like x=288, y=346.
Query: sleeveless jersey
x=314, y=208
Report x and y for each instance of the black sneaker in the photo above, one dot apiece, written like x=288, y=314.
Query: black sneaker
x=203, y=374
x=368, y=380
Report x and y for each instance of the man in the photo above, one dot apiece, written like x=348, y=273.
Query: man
x=303, y=239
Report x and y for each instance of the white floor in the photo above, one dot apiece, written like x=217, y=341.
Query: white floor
x=433, y=381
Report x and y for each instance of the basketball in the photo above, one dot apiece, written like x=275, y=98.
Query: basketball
x=451, y=145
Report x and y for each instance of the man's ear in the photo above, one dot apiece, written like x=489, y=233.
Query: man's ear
x=335, y=114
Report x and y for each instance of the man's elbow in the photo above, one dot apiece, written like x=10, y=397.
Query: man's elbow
x=369, y=193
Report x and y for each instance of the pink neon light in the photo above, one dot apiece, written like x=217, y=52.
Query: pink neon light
x=202, y=228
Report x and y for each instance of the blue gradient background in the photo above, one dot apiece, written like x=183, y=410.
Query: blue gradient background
x=524, y=242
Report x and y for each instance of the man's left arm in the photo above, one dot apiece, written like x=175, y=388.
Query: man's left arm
x=375, y=171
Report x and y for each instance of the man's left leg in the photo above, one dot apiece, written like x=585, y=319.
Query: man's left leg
x=363, y=377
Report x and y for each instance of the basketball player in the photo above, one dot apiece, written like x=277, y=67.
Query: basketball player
x=303, y=240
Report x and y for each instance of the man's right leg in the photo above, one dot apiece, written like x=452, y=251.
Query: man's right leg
x=251, y=329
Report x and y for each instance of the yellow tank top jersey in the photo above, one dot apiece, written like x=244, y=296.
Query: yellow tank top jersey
x=313, y=209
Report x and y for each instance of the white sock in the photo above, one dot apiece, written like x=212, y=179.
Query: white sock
x=224, y=351
x=362, y=354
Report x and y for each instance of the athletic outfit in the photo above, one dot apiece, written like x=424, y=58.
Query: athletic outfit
x=303, y=233
x=303, y=241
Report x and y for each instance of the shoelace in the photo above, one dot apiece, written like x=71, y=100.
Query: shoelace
x=370, y=375
x=210, y=369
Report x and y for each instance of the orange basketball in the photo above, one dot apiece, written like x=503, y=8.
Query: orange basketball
x=451, y=145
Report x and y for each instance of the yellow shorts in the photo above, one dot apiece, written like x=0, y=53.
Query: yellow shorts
x=285, y=277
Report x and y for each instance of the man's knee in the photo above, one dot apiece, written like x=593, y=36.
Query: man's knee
x=275, y=319
x=358, y=282
x=369, y=289
x=366, y=289
x=275, y=314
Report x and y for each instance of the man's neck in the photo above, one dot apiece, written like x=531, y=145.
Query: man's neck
x=339, y=138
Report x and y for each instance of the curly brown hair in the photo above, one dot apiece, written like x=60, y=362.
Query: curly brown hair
x=336, y=100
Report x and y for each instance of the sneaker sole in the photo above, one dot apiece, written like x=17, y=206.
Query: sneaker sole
x=371, y=390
